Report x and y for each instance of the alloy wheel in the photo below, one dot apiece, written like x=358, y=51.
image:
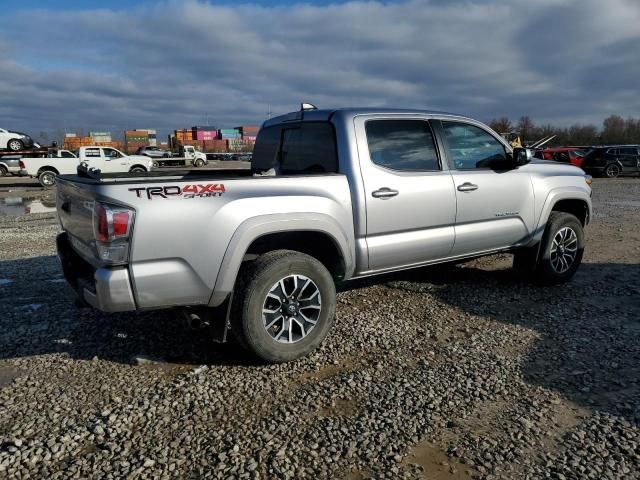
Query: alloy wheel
x=291, y=308
x=564, y=249
x=612, y=170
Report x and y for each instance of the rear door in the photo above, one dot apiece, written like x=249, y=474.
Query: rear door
x=495, y=203
x=410, y=202
x=92, y=156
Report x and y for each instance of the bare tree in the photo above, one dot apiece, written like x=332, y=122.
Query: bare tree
x=501, y=125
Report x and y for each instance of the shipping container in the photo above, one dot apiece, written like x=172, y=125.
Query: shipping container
x=250, y=130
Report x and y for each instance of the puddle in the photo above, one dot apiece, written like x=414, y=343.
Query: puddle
x=17, y=206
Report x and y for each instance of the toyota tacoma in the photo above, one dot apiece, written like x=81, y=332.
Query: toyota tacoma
x=331, y=196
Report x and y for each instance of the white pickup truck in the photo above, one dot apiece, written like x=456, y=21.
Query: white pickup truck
x=63, y=162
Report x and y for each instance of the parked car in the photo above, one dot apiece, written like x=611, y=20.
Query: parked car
x=611, y=161
x=333, y=195
x=153, y=152
x=105, y=159
x=14, y=141
x=572, y=155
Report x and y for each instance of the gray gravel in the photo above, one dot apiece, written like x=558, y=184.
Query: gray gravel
x=449, y=373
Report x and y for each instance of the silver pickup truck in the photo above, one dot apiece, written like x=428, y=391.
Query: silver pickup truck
x=332, y=195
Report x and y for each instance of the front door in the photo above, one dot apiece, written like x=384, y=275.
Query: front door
x=410, y=202
x=113, y=161
x=495, y=203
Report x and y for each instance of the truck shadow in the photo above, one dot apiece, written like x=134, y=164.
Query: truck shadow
x=588, y=331
x=38, y=316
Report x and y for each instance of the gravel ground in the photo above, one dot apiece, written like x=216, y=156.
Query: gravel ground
x=454, y=372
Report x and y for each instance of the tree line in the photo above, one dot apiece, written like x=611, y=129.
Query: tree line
x=615, y=130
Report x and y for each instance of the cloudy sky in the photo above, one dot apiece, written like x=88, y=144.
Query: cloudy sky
x=111, y=65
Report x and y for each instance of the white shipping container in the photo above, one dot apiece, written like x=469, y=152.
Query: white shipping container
x=70, y=135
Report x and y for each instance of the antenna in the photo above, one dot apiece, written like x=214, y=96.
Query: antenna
x=269, y=111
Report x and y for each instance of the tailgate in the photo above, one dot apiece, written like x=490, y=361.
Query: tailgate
x=75, y=209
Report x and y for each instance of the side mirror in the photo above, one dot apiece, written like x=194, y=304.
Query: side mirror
x=522, y=156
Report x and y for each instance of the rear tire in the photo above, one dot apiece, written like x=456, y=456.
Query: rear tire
x=3, y=171
x=48, y=179
x=15, y=145
x=612, y=170
x=284, y=305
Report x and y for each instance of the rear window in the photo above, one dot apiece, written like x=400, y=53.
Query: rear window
x=308, y=147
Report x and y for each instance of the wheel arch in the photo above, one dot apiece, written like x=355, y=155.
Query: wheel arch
x=47, y=168
x=576, y=201
x=576, y=207
x=137, y=165
x=314, y=234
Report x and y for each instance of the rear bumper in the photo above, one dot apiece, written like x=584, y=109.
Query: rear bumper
x=106, y=289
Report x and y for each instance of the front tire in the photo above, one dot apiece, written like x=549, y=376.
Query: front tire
x=137, y=170
x=199, y=163
x=285, y=305
x=15, y=145
x=48, y=179
x=612, y=170
x=3, y=171
x=561, y=249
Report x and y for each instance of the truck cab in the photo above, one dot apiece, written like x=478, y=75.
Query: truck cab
x=197, y=158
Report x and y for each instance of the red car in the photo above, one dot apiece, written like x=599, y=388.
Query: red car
x=573, y=155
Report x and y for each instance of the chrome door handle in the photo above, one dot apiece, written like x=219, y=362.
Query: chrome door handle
x=467, y=187
x=384, y=193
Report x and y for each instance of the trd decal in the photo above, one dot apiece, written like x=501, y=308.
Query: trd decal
x=188, y=191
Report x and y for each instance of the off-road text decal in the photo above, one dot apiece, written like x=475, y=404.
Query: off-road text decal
x=188, y=191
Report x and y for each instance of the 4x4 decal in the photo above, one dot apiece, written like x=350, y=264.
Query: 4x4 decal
x=187, y=191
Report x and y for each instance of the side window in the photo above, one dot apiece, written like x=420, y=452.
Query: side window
x=309, y=148
x=405, y=145
x=612, y=151
x=265, y=153
x=111, y=153
x=66, y=155
x=471, y=147
x=627, y=151
x=92, y=152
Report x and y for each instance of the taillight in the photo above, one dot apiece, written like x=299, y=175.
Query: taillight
x=111, y=228
x=21, y=165
x=111, y=223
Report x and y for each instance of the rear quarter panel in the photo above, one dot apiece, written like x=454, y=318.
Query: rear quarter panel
x=180, y=243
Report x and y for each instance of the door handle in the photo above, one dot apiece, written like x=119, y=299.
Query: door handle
x=384, y=193
x=467, y=187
